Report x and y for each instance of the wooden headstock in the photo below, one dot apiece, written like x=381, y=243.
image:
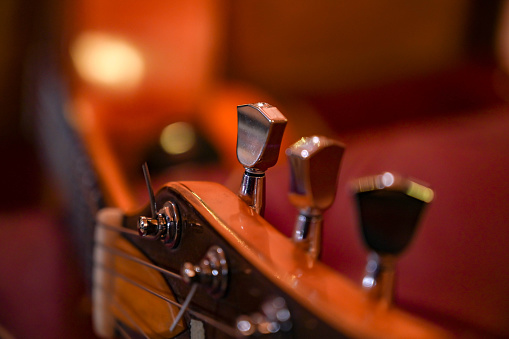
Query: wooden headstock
x=263, y=265
x=207, y=265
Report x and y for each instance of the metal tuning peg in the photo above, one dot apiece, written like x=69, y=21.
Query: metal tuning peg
x=211, y=272
x=314, y=171
x=389, y=208
x=165, y=224
x=260, y=131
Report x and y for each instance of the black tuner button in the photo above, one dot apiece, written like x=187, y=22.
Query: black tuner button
x=389, y=209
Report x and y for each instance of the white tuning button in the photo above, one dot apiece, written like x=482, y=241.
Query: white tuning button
x=389, y=209
x=260, y=131
x=314, y=170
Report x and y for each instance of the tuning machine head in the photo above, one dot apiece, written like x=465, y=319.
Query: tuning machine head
x=211, y=272
x=166, y=226
x=389, y=209
x=314, y=170
x=260, y=131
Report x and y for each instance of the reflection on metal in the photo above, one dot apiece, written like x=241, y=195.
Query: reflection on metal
x=314, y=169
x=379, y=276
x=389, y=210
x=260, y=131
x=273, y=317
x=106, y=60
x=395, y=183
x=178, y=138
x=166, y=227
x=210, y=273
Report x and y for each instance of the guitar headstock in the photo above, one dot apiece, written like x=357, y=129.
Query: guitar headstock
x=201, y=262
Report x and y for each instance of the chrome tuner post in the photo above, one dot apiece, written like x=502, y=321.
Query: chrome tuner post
x=389, y=209
x=211, y=272
x=314, y=169
x=166, y=226
x=260, y=131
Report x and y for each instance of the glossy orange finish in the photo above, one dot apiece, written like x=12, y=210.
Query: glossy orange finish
x=332, y=297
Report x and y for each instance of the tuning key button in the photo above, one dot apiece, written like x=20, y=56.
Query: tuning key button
x=389, y=209
x=314, y=169
x=260, y=131
x=166, y=226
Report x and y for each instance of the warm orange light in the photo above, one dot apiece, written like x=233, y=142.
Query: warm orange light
x=106, y=60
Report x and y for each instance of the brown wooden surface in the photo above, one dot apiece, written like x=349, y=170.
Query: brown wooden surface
x=323, y=291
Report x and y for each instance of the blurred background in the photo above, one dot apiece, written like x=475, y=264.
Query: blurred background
x=90, y=89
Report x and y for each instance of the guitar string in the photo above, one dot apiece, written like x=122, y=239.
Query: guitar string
x=118, y=229
x=148, y=182
x=131, y=320
x=190, y=296
x=220, y=326
x=123, y=332
x=137, y=260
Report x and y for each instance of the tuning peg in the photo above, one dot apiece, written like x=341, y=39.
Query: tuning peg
x=211, y=272
x=314, y=169
x=260, y=131
x=389, y=208
x=166, y=226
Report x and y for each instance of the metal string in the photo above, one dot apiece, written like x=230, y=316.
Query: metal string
x=220, y=326
x=123, y=332
x=137, y=260
x=131, y=320
x=118, y=229
x=148, y=182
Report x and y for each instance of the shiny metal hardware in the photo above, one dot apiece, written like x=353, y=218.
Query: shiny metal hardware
x=389, y=210
x=314, y=169
x=379, y=276
x=273, y=317
x=166, y=227
x=260, y=131
x=211, y=273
